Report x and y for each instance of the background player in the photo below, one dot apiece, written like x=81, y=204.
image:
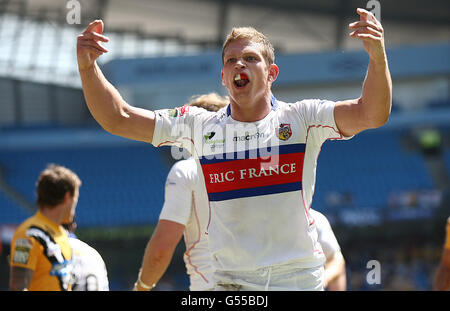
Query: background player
x=89, y=271
x=185, y=212
x=335, y=273
x=40, y=250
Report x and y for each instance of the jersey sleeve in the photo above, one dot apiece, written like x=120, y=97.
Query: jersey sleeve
x=25, y=252
x=318, y=116
x=326, y=235
x=178, y=194
x=177, y=126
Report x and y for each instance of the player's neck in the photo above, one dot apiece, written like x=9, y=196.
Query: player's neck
x=54, y=214
x=251, y=111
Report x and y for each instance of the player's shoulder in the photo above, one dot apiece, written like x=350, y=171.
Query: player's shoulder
x=77, y=243
x=31, y=221
x=185, y=165
x=318, y=217
x=185, y=112
x=310, y=102
x=201, y=113
x=298, y=105
x=82, y=248
x=183, y=169
x=315, y=213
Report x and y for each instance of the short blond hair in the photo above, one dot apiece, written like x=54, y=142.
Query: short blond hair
x=211, y=102
x=250, y=33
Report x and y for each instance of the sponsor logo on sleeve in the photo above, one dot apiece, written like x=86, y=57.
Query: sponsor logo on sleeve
x=178, y=112
x=22, y=251
x=173, y=112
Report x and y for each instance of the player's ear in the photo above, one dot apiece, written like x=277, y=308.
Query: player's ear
x=221, y=77
x=273, y=72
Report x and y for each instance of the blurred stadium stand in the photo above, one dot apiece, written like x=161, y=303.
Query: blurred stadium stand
x=369, y=168
x=11, y=213
x=164, y=51
x=122, y=185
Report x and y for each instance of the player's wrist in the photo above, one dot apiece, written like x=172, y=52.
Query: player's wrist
x=378, y=61
x=141, y=286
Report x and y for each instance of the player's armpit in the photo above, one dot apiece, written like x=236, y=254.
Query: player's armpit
x=20, y=278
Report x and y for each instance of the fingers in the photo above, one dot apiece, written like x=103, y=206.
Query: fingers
x=366, y=33
x=92, y=50
x=365, y=36
x=96, y=26
x=367, y=16
x=368, y=24
x=92, y=44
x=96, y=36
x=367, y=28
x=91, y=37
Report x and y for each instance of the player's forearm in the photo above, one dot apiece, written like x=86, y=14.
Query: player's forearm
x=103, y=100
x=155, y=269
x=376, y=98
x=154, y=264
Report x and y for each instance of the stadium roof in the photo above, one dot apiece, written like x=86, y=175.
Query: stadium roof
x=293, y=25
x=31, y=30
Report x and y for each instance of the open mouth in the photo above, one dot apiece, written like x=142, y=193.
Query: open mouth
x=241, y=80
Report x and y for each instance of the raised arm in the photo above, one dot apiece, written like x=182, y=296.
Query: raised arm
x=373, y=108
x=102, y=98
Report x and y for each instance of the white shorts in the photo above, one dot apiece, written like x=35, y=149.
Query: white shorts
x=274, y=278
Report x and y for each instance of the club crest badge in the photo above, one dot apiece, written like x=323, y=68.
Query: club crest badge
x=284, y=131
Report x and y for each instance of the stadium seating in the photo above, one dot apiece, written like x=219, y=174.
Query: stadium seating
x=368, y=168
x=447, y=160
x=121, y=185
x=10, y=212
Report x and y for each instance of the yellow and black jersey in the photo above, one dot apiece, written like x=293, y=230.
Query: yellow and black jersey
x=43, y=246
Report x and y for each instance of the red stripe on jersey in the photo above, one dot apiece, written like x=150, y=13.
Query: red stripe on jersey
x=252, y=173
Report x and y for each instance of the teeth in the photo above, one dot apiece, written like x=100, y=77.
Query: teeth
x=240, y=76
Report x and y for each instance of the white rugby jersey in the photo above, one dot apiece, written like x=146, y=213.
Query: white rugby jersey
x=186, y=202
x=89, y=269
x=326, y=236
x=259, y=177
